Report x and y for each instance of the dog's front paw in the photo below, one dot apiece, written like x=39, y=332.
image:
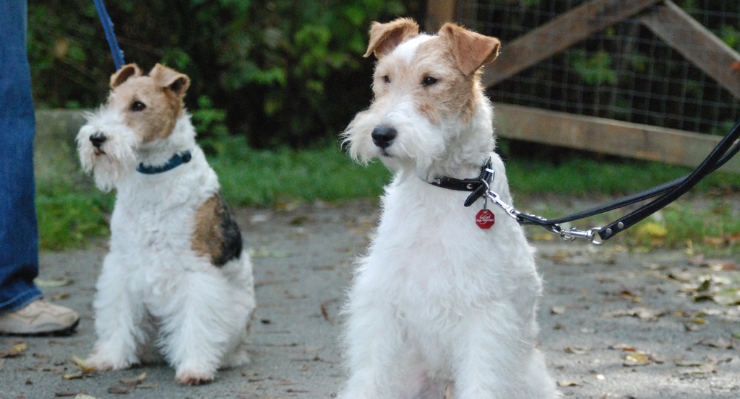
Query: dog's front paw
x=194, y=376
x=100, y=362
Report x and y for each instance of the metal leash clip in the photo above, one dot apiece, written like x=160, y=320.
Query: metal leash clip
x=567, y=235
x=573, y=233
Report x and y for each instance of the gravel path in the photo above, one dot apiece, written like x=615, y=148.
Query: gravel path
x=614, y=324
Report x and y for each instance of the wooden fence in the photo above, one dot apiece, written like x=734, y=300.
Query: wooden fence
x=666, y=20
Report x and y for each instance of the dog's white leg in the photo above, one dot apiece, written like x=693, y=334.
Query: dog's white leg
x=381, y=365
x=496, y=359
x=117, y=318
x=200, y=323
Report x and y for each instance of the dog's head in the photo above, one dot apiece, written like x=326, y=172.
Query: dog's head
x=140, y=115
x=427, y=90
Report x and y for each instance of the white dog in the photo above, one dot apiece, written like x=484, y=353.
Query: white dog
x=440, y=307
x=175, y=278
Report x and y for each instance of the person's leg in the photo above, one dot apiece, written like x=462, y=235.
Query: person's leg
x=18, y=229
x=21, y=309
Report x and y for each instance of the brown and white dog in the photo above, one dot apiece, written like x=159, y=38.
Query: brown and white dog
x=440, y=306
x=176, y=280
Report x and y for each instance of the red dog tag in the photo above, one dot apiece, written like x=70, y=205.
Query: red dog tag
x=485, y=219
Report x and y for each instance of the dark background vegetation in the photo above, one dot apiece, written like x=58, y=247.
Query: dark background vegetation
x=291, y=72
x=286, y=72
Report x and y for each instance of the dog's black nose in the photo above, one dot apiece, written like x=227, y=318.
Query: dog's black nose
x=97, y=139
x=383, y=136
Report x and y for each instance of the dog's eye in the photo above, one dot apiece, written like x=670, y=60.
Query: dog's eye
x=428, y=81
x=386, y=79
x=137, y=106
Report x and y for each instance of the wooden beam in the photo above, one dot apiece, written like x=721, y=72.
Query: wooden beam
x=695, y=42
x=606, y=136
x=559, y=34
x=439, y=12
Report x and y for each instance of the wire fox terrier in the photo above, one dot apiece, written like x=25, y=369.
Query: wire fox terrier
x=176, y=280
x=443, y=305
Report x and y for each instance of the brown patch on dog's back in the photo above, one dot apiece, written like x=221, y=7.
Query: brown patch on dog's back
x=216, y=233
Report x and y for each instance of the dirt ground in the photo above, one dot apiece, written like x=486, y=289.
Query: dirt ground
x=614, y=323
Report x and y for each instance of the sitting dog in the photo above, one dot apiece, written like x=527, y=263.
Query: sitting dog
x=176, y=279
x=442, y=305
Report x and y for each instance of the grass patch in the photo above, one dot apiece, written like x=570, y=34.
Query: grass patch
x=252, y=177
x=71, y=210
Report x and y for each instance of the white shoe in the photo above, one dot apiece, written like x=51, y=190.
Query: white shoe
x=39, y=317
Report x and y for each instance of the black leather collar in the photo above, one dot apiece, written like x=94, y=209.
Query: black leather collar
x=478, y=185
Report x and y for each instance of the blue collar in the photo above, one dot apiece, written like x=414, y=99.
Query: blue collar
x=175, y=161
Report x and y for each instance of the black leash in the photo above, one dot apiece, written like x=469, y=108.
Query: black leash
x=666, y=193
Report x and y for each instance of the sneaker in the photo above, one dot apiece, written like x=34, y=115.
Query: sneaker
x=39, y=317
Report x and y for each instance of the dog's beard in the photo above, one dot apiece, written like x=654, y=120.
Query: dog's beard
x=114, y=161
x=418, y=145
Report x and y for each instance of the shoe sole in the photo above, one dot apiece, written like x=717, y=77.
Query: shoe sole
x=56, y=333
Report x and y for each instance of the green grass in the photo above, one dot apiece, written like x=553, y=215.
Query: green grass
x=252, y=177
x=72, y=211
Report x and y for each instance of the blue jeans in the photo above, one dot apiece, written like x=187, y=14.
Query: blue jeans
x=18, y=228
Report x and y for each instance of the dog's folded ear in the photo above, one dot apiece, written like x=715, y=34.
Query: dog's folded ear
x=471, y=50
x=127, y=71
x=384, y=38
x=170, y=79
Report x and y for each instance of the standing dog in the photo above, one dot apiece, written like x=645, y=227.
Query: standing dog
x=175, y=278
x=440, y=307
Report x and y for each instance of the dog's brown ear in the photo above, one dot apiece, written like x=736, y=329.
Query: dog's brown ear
x=170, y=79
x=471, y=50
x=123, y=74
x=384, y=38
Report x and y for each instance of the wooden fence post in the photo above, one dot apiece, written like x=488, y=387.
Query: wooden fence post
x=439, y=12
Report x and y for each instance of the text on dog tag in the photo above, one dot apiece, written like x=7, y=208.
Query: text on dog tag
x=485, y=219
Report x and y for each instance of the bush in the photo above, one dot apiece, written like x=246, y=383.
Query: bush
x=287, y=72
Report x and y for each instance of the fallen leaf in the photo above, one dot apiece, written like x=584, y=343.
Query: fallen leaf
x=83, y=396
x=727, y=297
x=636, y=359
x=81, y=364
x=133, y=381
x=576, y=350
x=61, y=296
x=692, y=327
x=720, y=343
x=557, y=309
x=622, y=347
x=14, y=351
x=118, y=390
x=566, y=383
x=686, y=363
x=683, y=277
x=599, y=377
x=52, y=283
x=74, y=376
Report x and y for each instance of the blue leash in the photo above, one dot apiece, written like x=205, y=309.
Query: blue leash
x=109, y=34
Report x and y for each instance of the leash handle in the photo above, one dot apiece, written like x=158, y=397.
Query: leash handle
x=669, y=192
x=110, y=36
x=722, y=153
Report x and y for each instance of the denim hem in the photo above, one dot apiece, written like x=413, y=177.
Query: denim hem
x=21, y=301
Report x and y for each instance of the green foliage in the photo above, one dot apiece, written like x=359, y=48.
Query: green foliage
x=286, y=72
x=594, y=70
